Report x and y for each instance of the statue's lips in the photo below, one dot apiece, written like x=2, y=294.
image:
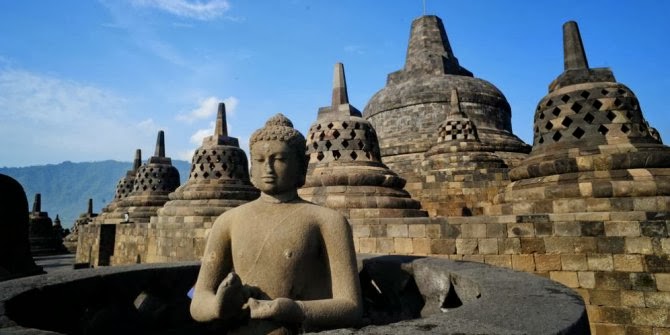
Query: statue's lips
x=269, y=179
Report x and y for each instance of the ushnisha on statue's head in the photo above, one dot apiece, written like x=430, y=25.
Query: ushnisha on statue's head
x=278, y=159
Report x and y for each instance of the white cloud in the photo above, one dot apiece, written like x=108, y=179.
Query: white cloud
x=207, y=108
x=200, y=134
x=148, y=125
x=48, y=119
x=199, y=10
x=355, y=49
x=186, y=155
x=231, y=105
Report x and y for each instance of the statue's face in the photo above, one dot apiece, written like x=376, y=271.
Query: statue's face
x=275, y=167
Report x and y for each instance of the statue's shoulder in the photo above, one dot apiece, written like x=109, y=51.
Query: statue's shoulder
x=240, y=211
x=325, y=214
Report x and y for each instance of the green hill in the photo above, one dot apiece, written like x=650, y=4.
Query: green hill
x=66, y=187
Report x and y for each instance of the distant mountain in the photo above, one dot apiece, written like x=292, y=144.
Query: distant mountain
x=66, y=187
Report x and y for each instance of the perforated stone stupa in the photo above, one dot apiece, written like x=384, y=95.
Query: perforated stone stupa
x=219, y=181
x=462, y=175
x=123, y=188
x=345, y=170
x=593, y=151
x=70, y=241
x=153, y=182
x=43, y=237
x=416, y=99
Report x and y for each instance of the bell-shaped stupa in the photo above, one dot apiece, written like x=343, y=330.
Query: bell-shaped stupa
x=462, y=175
x=345, y=170
x=15, y=257
x=123, y=188
x=44, y=239
x=593, y=151
x=70, y=241
x=219, y=181
x=416, y=99
x=154, y=180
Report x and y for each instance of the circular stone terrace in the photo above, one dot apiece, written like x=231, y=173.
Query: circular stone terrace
x=402, y=295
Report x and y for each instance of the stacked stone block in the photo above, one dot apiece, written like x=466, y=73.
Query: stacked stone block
x=617, y=261
x=154, y=180
x=70, y=241
x=219, y=181
x=461, y=176
x=123, y=188
x=44, y=239
x=345, y=171
x=417, y=98
x=598, y=180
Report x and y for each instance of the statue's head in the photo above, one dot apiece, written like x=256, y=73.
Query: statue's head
x=278, y=160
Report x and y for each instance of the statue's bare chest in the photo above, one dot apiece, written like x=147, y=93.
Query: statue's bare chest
x=274, y=245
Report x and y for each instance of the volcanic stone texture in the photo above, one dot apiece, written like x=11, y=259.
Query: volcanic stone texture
x=462, y=176
x=219, y=181
x=345, y=171
x=416, y=99
x=15, y=257
x=153, y=182
x=594, y=196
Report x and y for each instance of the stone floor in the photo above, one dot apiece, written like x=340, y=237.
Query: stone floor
x=56, y=263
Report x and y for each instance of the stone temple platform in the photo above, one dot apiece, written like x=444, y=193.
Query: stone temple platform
x=403, y=295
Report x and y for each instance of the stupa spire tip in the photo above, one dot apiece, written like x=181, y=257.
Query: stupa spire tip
x=160, y=144
x=221, y=128
x=573, y=48
x=340, y=96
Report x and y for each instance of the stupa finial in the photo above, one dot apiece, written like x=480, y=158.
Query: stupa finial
x=340, y=100
x=429, y=51
x=160, y=144
x=573, y=48
x=221, y=128
x=138, y=159
x=455, y=105
x=37, y=204
x=340, y=96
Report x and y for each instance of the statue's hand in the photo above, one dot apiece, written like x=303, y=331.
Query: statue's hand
x=280, y=309
x=230, y=296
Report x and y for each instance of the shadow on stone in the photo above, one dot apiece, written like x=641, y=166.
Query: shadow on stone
x=415, y=294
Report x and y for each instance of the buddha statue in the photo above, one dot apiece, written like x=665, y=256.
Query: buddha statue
x=278, y=264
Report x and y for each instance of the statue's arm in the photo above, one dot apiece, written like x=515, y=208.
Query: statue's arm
x=346, y=306
x=215, y=275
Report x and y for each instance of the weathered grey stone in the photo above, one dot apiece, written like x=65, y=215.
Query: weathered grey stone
x=493, y=299
x=344, y=153
x=15, y=257
x=219, y=181
x=44, y=238
x=123, y=187
x=416, y=98
x=278, y=262
x=590, y=141
x=153, y=182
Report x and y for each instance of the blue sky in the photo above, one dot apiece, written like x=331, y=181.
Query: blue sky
x=94, y=80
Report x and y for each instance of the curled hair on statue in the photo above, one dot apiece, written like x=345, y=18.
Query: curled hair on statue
x=280, y=128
